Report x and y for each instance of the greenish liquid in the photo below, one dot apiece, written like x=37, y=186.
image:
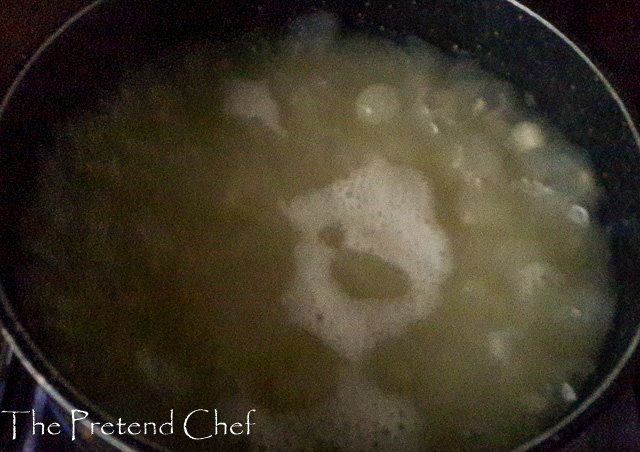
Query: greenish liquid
x=165, y=261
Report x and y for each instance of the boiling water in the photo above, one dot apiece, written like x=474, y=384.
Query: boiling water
x=373, y=244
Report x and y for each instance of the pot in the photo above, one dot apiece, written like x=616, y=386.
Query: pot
x=91, y=53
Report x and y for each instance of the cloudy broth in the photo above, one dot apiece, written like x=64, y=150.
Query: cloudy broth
x=373, y=244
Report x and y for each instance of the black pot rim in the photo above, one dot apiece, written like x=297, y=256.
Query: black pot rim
x=63, y=393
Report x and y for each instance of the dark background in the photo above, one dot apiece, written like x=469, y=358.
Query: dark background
x=607, y=30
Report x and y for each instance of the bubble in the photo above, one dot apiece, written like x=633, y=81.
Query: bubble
x=566, y=170
x=377, y=104
x=252, y=100
x=536, y=276
x=478, y=93
x=527, y=136
x=568, y=393
x=501, y=344
x=476, y=160
x=579, y=215
x=596, y=310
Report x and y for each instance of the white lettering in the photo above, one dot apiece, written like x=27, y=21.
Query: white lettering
x=136, y=425
x=107, y=425
x=121, y=426
x=249, y=424
x=53, y=425
x=186, y=421
x=237, y=424
x=170, y=424
x=152, y=424
x=220, y=423
x=75, y=419
x=36, y=424
x=13, y=413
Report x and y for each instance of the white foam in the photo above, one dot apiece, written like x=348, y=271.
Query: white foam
x=365, y=418
x=384, y=210
x=359, y=416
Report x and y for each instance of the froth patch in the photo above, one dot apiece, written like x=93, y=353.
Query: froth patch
x=359, y=417
x=385, y=210
x=369, y=419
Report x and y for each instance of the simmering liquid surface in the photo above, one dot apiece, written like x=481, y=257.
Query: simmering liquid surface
x=373, y=244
